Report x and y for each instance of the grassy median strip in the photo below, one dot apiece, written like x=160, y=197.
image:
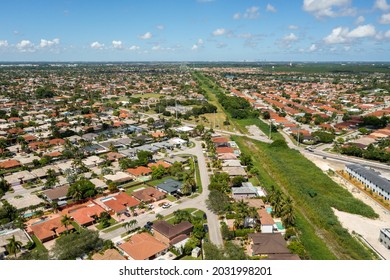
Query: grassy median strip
x=314, y=194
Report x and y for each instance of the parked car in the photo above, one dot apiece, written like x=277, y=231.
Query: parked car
x=151, y=206
x=127, y=214
x=148, y=225
x=205, y=228
x=166, y=205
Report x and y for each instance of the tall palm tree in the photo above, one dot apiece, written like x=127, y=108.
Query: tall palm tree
x=66, y=221
x=277, y=203
x=288, y=215
x=14, y=246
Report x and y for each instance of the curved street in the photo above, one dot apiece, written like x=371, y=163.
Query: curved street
x=198, y=202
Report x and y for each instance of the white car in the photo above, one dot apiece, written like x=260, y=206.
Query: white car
x=166, y=205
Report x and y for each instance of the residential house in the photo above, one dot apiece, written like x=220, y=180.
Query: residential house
x=271, y=246
x=247, y=190
x=49, y=229
x=170, y=186
x=118, y=178
x=148, y=195
x=138, y=172
x=266, y=221
x=143, y=246
x=85, y=214
x=9, y=164
x=119, y=203
x=166, y=232
x=108, y=255
x=19, y=234
x=59, y=195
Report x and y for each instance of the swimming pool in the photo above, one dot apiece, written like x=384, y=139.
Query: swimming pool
x=279, y=225
x=269, y=209
x=106, y=198
x=29, y=215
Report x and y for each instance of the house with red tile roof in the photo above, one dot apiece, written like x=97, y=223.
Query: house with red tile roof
x=11, y=163
x=158, y=163
x=224, y=150
x=84, y=214
x=143, y=246
x=139, y=171
x=120, y=203
x=49, y=229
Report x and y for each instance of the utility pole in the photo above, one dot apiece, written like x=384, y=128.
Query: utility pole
x=270, y=129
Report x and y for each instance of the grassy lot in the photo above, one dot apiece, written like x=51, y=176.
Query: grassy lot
x=314, y=194
x=76, y=226
x=261, y=125
x=254, y=181
x=112, y=228
x=111, y=221
x=194, y=211
x=210, y=87
x=190, y=258
x=159, y=181
x=130, y=190
x=38, y=244
x=198, y=179
x=171, y=198
x=147, y=95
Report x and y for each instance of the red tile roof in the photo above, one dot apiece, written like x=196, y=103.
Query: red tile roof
x=139, y=171
x=143, y=246
x=10, y=164
x=160, y=162
x=45, y=230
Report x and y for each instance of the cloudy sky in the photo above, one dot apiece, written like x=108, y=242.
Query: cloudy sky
x=195, y=30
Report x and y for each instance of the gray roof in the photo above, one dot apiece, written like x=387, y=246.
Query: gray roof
x=170, y=185
x=371, y=175
x=247, y=188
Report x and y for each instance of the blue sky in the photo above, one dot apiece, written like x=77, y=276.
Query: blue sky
x=195, y=30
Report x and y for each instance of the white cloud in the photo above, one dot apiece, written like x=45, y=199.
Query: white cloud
x=97, y=45
x=290, y=37
x=362, y=31
x=134, y=48
x=360, y=20
x=270, y=8
x=341, y=35
x=49, y=43
x=387, y=34
x=219, y=32
x=146, y=36
x=198, y=44
x=385, y=19
x=3, y=43
x=293, y=27
x=160, y=27
x=156, y=48
x=381, y=5
x=237, y=16
x=117, y=45
x=337, y=36
x=313, y=48
x=329, y=8
x=25, y=46
x=250, y=13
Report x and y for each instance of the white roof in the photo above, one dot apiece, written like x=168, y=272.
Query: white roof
x=184, y=129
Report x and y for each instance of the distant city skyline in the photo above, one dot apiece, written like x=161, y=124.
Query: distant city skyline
x=195, y=30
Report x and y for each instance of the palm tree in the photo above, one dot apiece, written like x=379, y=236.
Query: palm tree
x=242, y=208
x=278, y=203
x=54, y=206
x=14, y=246
x=66, y=221
x=288, y=215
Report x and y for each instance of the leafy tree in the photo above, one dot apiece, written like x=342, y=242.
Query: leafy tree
x=158, y=172
x=74, y=245
x=144, y=157
x=159, y=217
x=8, y=213
x=237, y=181
x=82, y=189
x=324, y=137
x=217, y=201
x=44, y=92
x=190, y=245
x=181, y=215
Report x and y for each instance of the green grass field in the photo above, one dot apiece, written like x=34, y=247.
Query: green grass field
x=314, y=194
